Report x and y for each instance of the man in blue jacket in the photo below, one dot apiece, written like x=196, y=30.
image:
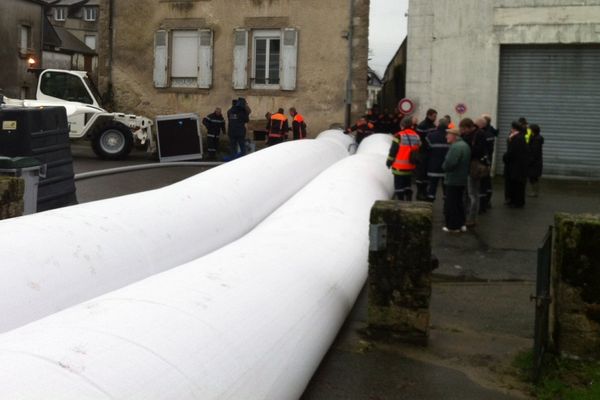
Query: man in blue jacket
x=436, y=148
x=238, y=116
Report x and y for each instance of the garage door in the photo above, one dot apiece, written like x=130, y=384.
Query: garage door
x=558, y=88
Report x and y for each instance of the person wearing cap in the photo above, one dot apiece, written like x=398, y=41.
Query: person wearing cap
x=456, y=165
x=436, y=148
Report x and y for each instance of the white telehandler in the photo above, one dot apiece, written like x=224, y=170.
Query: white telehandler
x=112, y=134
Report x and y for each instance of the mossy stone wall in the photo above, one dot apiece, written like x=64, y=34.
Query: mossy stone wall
x=399, y=286
x=576, y=285
x=11, y=197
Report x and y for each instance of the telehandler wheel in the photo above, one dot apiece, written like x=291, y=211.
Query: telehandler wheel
x=112, y=141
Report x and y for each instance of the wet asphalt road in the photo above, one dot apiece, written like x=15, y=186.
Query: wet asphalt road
x=481, y=315
x=122, y=184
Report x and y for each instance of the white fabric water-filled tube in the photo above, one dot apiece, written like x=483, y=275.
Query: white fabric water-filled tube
x=251, y=320
x=56, y=259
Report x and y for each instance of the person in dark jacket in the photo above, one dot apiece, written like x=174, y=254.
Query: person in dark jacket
x=278, y=128
x=238, y=116
x=423, y=129
x=456, y=165
x=486, y=189
x=298, y=125
x=536, y=163
x=475, y=138
x=436, y=148
x=516, y=160
x=214, y=123
x=362, y=129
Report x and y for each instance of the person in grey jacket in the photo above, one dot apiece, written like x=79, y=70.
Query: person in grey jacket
x=456, y=165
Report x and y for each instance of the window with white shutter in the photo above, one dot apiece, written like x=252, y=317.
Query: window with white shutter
x=274, y=59
x=266, y=59
x=161, y=58
x=205, y=59
x=240, y=59
x=185, y=58
x=289, y=59
x=184, y=61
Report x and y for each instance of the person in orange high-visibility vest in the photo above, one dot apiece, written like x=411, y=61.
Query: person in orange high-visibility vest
x=278, y=128
x=405, y=143
x=298, y=125
x=451, y=124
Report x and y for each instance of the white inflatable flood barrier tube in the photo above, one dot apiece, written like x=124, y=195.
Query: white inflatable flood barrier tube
x=56, y=259
x=252, y=320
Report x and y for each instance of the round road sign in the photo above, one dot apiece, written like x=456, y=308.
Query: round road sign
x=406, y=106
x=460, y=108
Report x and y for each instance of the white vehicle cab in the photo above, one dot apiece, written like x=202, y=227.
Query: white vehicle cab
x=112, y=134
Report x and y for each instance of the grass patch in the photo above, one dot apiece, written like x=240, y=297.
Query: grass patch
x=561, y=379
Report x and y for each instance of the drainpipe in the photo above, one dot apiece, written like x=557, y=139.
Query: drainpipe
x=42, y=23
x=350, y=71
x=109, y=88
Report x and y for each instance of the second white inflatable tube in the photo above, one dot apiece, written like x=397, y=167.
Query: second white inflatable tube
x=52, y=260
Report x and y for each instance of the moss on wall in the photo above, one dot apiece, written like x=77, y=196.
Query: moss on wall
x=11, y=197
x=400, y=274
x=577, y=284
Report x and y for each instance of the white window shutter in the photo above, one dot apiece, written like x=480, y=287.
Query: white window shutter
x=161, y=57
x=205, y=59
x=240, y=59
x=289, y=59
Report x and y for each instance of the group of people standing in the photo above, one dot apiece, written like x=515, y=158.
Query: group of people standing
x=238, y=117
x=460, y=158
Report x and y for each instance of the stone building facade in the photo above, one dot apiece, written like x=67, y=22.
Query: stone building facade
x=21, y=26
x=165, y=57
x=75, y=23
x=511, y=58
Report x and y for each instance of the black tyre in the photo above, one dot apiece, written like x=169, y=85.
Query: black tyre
x=112, y=141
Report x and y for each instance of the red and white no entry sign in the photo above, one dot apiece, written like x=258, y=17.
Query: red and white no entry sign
x=406, y=106
x=460, y=108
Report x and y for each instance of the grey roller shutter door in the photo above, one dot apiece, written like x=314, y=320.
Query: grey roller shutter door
x=558, y=88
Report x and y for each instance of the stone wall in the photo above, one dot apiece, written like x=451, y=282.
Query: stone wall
x=11, y=197
x=576, y=285
x=14, y=78
x=400, y=269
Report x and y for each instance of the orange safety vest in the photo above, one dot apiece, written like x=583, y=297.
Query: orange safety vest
x=408, y=141
x=277, y=122
x=302, y=126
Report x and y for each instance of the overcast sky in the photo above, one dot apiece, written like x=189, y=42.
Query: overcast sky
x=387, y=31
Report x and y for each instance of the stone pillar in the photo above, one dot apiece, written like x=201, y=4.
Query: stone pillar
x=11, y=197
x=400, y=266
x=360, y=64
x=104, y=49
x=576, y=285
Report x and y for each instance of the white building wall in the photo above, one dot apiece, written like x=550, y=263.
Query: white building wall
x=454, y=45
